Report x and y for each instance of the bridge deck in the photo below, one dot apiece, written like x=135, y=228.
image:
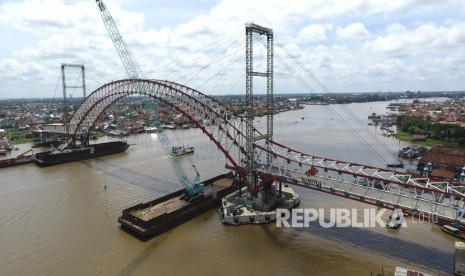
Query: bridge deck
x=426, y=205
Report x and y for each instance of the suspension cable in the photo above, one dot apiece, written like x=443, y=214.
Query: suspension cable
x=339, y=118
x=346, y=109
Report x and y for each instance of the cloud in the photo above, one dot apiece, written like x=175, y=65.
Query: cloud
x=353, y=31
x=423, y=38
x=313, y=33
x=391, y=35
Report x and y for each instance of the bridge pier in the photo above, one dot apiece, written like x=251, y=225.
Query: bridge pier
x=256, y=207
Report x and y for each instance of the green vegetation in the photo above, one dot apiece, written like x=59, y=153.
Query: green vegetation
x=438, y=134
x=17, y=136
x=429, y=142
x=95, y=135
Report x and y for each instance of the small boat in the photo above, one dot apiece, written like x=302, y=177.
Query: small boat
x=170, y=126
x=150, y=129
x=176, y=151
x=303, y=118
x=453, y=232
x=395, y=165
x=394, y=224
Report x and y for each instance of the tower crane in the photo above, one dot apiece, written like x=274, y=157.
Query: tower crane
x=192, y=188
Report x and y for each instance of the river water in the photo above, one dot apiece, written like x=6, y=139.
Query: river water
x=62, y=220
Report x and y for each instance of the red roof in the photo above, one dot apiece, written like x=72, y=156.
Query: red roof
x=445, y=155
x=417, y=137
x=450, y=119
x=443, y=173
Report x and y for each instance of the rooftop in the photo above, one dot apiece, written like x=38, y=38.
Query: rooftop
x=445, y=155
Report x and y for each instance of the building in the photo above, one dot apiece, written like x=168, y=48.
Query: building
x=445, y=161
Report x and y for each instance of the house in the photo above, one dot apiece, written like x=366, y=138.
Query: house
x=452, y=159
x=419, y=137
x=443, y=173
x=5, y=145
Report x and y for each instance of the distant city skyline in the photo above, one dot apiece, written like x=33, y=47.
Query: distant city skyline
x=351, y=46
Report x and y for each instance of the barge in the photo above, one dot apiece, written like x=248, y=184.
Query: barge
x=10, y=162
x=45, y=159
x=146, y=220
x=21, y=159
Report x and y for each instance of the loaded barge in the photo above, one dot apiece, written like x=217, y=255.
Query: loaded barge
x=45, y=159
x=21, y=159
x=146, y=220
x=4, y=163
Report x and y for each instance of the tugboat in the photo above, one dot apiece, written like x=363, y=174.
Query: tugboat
x=181, y=150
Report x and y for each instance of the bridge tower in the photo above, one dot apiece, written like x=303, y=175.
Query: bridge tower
x=65, y=86
x=250, y=29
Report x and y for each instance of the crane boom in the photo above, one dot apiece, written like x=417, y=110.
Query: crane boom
x=192, y=188
x=118, y=40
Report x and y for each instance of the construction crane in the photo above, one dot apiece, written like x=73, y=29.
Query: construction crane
x=192, y=188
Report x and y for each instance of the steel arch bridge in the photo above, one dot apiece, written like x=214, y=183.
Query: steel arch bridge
x=377, y=186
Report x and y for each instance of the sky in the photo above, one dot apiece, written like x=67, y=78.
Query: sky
x=349, y=45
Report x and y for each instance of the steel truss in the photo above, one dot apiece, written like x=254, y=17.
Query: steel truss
x=440, y=200
x=369, y=184
x=250, y=29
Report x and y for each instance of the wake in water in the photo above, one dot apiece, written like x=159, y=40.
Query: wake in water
x=153, y=184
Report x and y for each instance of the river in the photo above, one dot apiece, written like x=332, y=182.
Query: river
x=62, y=220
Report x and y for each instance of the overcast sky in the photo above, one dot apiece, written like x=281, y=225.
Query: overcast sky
x=350, y=45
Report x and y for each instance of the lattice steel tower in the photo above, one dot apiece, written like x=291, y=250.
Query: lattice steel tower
x=65, y=86
x=250, y=29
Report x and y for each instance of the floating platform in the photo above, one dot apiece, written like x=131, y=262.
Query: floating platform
x=241, y=208
x=146, y=220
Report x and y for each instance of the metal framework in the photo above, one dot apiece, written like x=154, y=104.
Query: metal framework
x=372, y=185
x=250, y=29
x=63, y=80
x=193, y=188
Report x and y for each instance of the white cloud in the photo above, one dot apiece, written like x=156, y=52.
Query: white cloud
x=313, y=33
x=377, y=39
x=353, y=31
x=400, y=40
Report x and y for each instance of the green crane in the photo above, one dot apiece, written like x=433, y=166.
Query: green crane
x=192, y=188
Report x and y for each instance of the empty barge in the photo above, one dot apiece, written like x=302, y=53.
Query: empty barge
x=146, y=220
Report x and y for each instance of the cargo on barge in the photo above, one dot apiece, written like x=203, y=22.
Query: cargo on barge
x=146, y=220
x=45, y=159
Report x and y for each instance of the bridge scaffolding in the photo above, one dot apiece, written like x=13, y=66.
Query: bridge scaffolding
x=250, y=29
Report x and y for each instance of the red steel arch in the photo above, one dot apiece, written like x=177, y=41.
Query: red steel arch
x=216, y=120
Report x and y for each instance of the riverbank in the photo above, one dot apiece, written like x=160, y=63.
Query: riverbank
x=17, y=136
x=407, y=137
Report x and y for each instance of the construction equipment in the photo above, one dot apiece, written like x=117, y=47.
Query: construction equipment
x=192, y=188
x=23, y=155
